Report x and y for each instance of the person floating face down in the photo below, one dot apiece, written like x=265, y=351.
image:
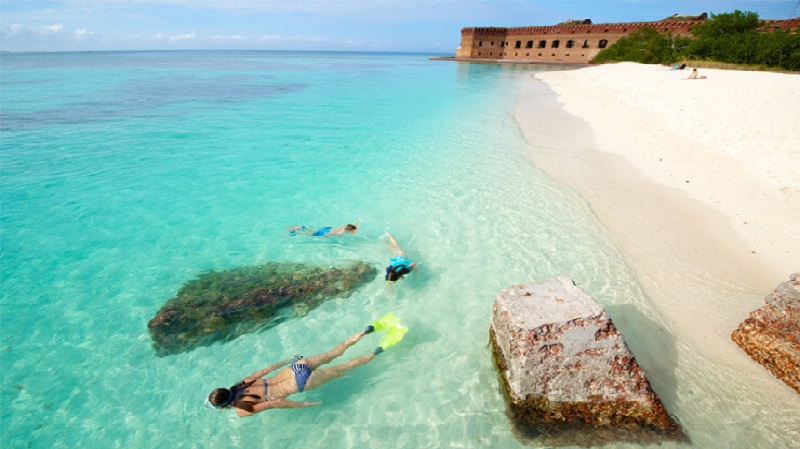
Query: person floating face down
x=327, y=231
x=254, y=393
x=399, y=264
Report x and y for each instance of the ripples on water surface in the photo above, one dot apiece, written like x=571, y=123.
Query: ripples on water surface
x=126, y=174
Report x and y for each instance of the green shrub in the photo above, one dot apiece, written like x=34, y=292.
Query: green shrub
x=729, y=37
x=645, y=45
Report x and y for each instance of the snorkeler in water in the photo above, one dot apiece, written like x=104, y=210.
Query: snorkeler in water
x=399, y=264
x=327, y=231
x=255, y=394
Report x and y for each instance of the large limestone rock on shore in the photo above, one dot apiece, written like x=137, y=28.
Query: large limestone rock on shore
x=771, y=334
x=568, y=375
x=221, y=305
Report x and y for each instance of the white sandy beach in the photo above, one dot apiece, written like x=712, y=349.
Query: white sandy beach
x=698, y=183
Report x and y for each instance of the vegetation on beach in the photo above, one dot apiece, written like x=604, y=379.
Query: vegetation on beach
x=221, y=305
x=734, y=38
x=647, y=46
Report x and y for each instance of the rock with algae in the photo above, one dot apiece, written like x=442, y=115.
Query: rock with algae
x=567, y=374
x=221, y=305
x=771, y=334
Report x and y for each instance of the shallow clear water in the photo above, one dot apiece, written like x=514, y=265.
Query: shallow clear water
x=126, y=174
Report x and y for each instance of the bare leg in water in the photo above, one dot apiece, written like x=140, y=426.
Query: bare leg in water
x=321, y=375
x=394, y=247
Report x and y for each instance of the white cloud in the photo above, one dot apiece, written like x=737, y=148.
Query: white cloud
x=53, y=28
x=18, y=37
x=363, y=9
x=15, y=30
x=183, y=37
x=290, y=39
x=138, y=24
x=224, y=38
x=33, y=35
x=255, y=5
x=82, y=34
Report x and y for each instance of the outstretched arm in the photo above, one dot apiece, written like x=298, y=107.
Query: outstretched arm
x=261, y=373
x=277, y=403
x=286, y=403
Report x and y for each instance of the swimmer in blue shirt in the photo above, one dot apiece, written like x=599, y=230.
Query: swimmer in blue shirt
x=327, y=231
x=399, y=264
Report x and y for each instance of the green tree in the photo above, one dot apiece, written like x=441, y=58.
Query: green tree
x=780, y=48
x=736, y=22
x=645, y=45
x=728, y=37
x=736, y=37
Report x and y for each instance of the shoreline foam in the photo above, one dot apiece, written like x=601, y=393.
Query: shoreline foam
x=695, y=180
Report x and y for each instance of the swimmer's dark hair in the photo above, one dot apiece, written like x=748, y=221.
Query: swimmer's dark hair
x=220, y=397
x=394, y=274
x=223, y=396
x=350, y=227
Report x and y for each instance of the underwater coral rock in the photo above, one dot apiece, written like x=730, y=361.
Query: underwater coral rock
x=771, y=334
x=221, y=305
x=568, y=376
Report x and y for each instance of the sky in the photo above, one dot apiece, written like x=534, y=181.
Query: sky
x=429, y=26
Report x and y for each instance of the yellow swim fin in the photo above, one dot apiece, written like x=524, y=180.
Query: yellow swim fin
x=393, y=336
x=386, y=322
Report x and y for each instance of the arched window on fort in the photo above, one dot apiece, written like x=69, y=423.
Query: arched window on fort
x=529, y=44
x=519, y=44
x=480, y=43
x=542, y=44
x=570, y=43
x=555, y=44
x=603, y=43
x=586, y=43
x=492, y=44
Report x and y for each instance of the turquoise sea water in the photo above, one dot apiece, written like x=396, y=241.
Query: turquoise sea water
x=125, y=175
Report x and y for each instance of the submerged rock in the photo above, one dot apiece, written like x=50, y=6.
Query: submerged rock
x=771, y=334
x=220, y=305
x=567, y=373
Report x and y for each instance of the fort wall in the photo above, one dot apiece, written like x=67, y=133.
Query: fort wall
x=567, y=44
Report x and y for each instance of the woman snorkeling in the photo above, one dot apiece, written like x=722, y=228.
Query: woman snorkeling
x=255, y=393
